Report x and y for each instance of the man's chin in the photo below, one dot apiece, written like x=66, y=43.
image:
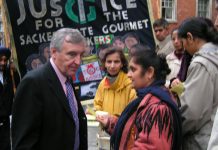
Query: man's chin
x=71, y=73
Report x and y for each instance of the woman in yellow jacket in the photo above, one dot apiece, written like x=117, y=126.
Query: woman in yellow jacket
x=115, y=90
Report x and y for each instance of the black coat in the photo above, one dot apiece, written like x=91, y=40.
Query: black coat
x=6, y=95
x=41, y=116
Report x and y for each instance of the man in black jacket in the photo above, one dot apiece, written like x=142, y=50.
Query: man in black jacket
x=6, y=98
x=47, y=114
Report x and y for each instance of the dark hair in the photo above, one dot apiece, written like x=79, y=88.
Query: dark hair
x=117, y=38
x=161, y=23
x=101, y=50
x=175, y=29
x=42, y=48
x=31, y=57
x=131, y=35
x=103, y=47
x=138, y=47
x=112, y=50
x=5, y=52
x=149, y=58
x=199, y=28
x=208, y=21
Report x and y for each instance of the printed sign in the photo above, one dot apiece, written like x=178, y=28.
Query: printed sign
x=100, y=21
x=91, y=71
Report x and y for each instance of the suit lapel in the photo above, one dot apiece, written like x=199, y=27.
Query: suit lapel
x=1, y=88
x=57, y=89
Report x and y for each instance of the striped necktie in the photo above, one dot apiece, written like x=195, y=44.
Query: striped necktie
x=70, y=97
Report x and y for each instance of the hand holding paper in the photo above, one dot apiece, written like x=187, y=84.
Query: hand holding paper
x=90, y=110
x=178, y=89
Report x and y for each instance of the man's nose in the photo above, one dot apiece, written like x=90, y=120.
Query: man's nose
x=158, y=32
x=77, y=60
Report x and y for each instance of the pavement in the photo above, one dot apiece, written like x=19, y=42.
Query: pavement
x=92, y=138
x=93, y=128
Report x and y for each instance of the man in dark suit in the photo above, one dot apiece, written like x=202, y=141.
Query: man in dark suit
x=6, y=98
x=43, y=117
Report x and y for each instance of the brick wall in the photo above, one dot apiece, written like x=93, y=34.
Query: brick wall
x=184, y=9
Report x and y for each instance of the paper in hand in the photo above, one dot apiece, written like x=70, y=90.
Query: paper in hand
x=90, y=110
x=178, y=89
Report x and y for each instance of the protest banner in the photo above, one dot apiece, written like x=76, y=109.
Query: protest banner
x=33, y=23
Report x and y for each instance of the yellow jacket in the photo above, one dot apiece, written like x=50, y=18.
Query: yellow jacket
x=115, y=97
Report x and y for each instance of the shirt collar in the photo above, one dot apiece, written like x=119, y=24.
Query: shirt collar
x=61, y=77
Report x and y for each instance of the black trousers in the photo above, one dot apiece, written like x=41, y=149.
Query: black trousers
x=5, y=143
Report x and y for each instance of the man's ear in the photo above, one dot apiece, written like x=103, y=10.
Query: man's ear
x=190, y=36
x=53, y=52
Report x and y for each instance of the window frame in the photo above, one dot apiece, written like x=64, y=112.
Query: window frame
x=209, y=9
x=174, y=11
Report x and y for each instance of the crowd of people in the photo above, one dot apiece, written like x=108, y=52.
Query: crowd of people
x=143, y=112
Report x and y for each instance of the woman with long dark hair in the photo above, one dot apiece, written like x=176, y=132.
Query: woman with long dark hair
x=151, y=121
x=199, y=101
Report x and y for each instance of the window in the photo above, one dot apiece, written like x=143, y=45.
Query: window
x=168, y=9
x=203, y=8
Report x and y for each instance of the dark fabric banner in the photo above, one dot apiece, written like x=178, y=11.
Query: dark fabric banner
x=100, y=21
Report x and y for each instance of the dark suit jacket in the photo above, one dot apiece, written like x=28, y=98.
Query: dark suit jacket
x=6, y=95
x=41, y=116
